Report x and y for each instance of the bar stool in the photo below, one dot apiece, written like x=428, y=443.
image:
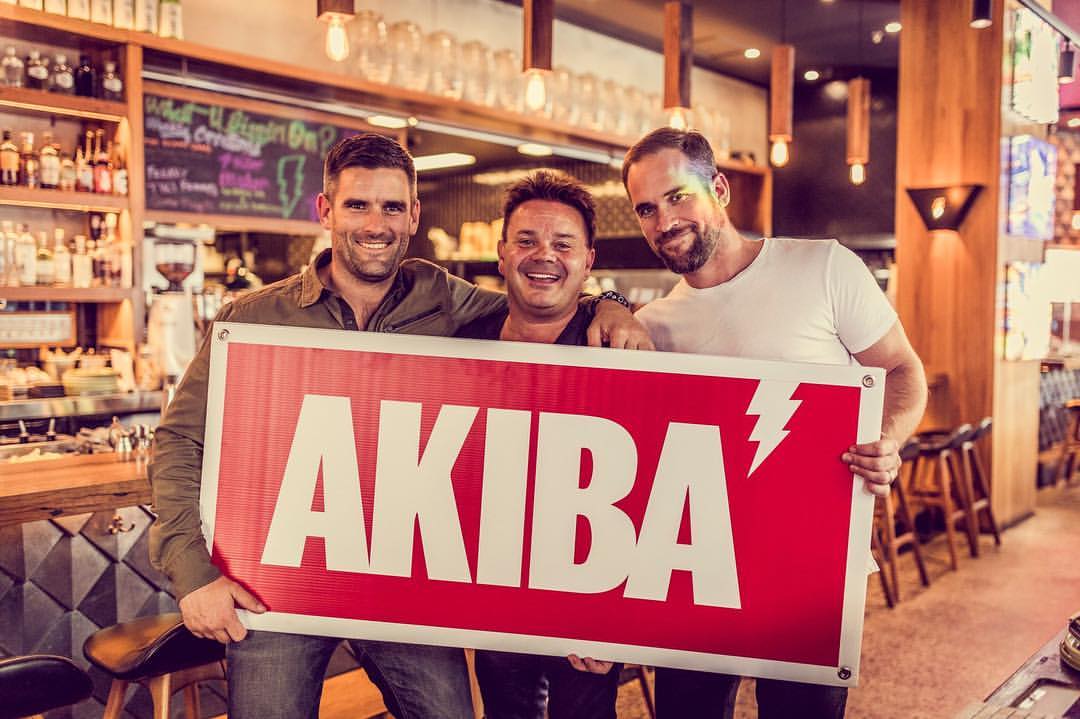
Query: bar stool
x=937, y=482
x=977, y=486
x=30, y=685
x=1070, y=447
x=887, y=510
x=161, y=653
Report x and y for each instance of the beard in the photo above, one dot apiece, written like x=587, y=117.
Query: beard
x=701, y=249
x=369, y=269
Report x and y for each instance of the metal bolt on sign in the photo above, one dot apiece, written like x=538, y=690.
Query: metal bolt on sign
x=223, y=335
x=867, y=381
x=845, y=672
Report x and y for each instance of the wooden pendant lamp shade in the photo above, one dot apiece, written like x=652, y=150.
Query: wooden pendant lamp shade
x=858, y=128
x=678, y=59
x=781, y=89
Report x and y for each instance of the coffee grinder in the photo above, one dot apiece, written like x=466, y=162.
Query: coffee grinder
x=170, y=329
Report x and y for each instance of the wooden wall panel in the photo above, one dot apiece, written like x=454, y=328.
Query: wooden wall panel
x=949, y=130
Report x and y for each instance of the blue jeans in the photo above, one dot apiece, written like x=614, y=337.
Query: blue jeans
x=280, y=676
x=681, y=693
x=523, y=686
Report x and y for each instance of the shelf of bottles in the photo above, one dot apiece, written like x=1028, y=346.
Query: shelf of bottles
x=63, y=161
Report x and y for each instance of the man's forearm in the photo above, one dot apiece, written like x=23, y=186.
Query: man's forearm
x=905, y=400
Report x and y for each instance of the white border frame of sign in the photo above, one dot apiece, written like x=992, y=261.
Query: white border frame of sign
x=870, y=380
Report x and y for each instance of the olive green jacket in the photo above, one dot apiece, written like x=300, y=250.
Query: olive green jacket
x=424, y=299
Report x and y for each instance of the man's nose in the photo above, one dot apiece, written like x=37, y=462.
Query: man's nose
x=666, y=219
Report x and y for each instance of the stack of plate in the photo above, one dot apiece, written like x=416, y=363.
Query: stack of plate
x=90, y=381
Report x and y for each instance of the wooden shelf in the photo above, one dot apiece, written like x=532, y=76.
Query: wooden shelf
x=49, y=28
x=23, y=100
x=60, y=200
x=235, y=223
x=101, y=295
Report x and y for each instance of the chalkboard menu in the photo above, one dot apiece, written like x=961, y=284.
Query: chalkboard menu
x=213, y=159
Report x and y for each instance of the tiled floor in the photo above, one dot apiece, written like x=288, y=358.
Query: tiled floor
x=942, y=647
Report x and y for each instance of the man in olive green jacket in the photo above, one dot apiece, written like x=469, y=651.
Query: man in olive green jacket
x=370, y=207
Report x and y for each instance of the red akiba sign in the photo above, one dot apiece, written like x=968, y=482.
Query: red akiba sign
x=667, y=509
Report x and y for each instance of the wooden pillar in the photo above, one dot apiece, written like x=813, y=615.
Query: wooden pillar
x=949, y=132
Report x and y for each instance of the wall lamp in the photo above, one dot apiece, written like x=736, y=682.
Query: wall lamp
x=335, y=13
x=944, y=208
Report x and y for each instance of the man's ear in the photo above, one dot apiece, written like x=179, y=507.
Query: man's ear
x=500, y=248
x=590, y=259
x=324, y=206
x=723, y=189
x=414, y=217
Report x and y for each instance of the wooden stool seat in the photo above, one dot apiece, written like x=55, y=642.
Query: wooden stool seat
x=160, y=652
x=936, y=482
x=890, y=536
x=976, y=487
x=39, y=682
x=1070, y=447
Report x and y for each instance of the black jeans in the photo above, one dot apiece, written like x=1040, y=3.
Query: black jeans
x=681, y=694
x=522, y=686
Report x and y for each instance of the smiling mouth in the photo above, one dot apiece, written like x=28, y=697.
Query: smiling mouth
x=373, y=244
x=544, y=277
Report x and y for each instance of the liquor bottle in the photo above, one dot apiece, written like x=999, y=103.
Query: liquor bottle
x=67, y=173
x=61, y=79
x=124, y=14
x=26, y=257
x=82, y=270
x=146, y=16
x=112, y=87
x=101, y=11
x=102, y=169
x=85, y=77
x=97, y=225
x=14, y=68
x=61, y=258
x=79, y=9
x=113, y=253
x=8, y=275
x=44, y=269
x=171, y=23
x=119, y=169
x=49, y=163
x=84, y=168
x=29, y=167
x=9, y=160
x=97, y=263
x=37, y=71
x=57, y=7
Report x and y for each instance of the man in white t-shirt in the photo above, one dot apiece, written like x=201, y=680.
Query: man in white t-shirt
x=771, y=299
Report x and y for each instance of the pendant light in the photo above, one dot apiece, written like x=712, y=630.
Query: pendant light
x=858, y=118
x=858, y=129
x=678, y=60
x=536, y=59
x=981, y=16
x=781, y=92
x=781, y=87
x=336, y=13
x=1066, y=64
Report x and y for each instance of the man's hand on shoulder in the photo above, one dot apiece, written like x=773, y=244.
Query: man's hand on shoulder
x=614, y=326
x=210, y=611
x=876, y=462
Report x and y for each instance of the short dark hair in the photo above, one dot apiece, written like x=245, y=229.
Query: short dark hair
x=689, y=142
x=556, y=187
x=368, y=150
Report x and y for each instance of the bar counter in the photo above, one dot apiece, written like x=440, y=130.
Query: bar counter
x=51, y=488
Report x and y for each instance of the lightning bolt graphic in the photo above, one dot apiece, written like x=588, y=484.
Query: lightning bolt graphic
x=295, y=183
x=773, y=406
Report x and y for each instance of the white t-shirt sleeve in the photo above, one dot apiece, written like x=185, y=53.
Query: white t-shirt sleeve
x=862, y=312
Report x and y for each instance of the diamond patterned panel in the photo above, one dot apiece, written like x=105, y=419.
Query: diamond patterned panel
x=62, y=580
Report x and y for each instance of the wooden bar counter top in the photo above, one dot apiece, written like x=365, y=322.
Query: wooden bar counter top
x=51, y=488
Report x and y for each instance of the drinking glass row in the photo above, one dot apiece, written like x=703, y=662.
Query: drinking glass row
x=401, y=54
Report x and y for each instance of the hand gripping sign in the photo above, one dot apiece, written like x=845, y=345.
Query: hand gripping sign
x=659, y=508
